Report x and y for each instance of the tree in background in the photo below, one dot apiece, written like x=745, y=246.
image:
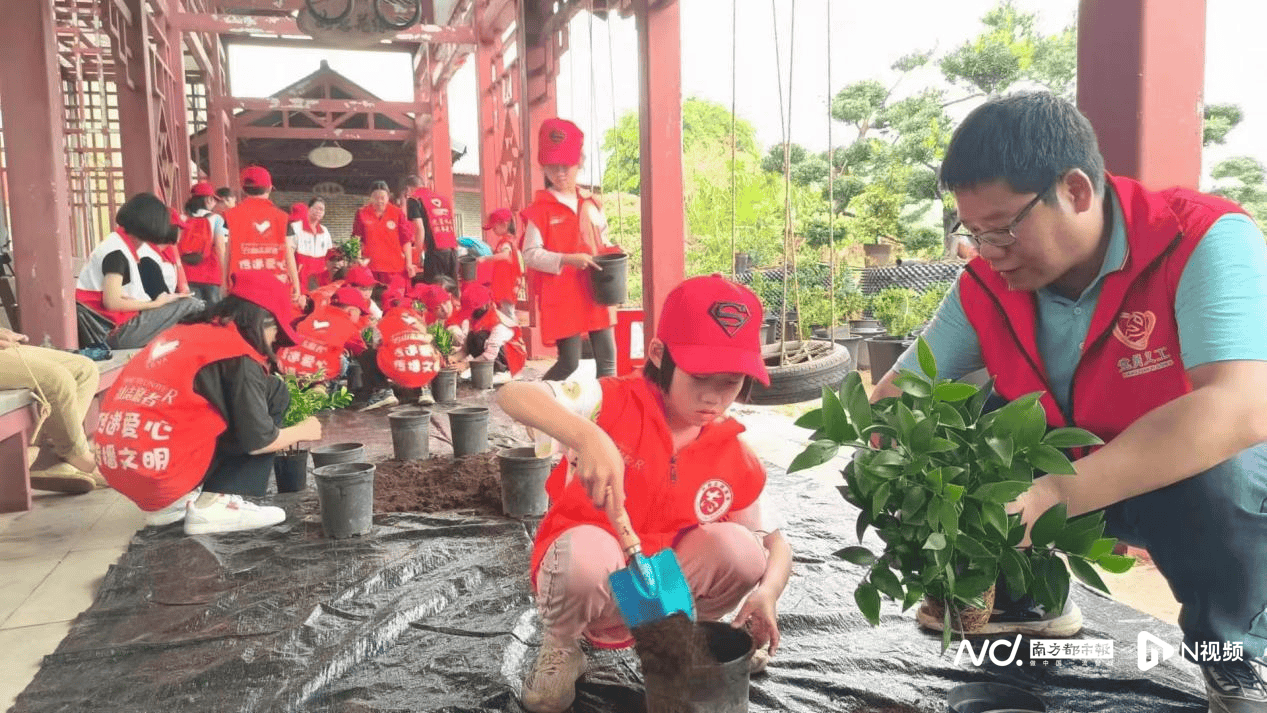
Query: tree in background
x=1240, y=178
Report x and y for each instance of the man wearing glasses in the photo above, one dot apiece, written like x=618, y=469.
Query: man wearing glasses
x=1142, y=316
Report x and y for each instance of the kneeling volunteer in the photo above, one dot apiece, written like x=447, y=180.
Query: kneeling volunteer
x=193, y=421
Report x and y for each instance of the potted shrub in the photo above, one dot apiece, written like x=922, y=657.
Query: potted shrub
x=444, y=388
x=291, y=465
x=351, y=249
x=934, y=486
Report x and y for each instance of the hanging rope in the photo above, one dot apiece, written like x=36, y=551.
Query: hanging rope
x=831, y=192
x=611, y=72
x=734, y=187
x=789, y=252
x=598, y=145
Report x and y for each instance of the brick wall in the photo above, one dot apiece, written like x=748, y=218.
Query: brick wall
x=340, y=210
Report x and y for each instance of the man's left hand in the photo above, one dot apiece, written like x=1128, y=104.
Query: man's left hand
x=10, y=338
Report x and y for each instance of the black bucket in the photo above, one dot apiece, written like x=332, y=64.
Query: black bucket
x=290, y=470
x=720, y=687
x=469, y=428
x=609, y=282
x=482, y=375
x=883, y=353
x=444, y=388
x=523, y=482
x=346, y=491
x=338, y=453
x=411, y=432
x=468, y=267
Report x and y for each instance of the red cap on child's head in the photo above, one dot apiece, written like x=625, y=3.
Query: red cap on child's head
x=334, y=254
x=351, y=297
x=256, y=177
x=430, y=295
x=262, y=288
x=501, y=215
x=711, y=326
x=359, y=276
x=202, y=189
x=559, y=142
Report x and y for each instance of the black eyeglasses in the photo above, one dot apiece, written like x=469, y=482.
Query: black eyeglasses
x=1003, y=237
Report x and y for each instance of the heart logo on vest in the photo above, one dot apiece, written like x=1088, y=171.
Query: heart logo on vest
x=162, y=349
x=730, y=316
x=1134, y=328
x=713, y=500
x=261, y=228
x=320, y=324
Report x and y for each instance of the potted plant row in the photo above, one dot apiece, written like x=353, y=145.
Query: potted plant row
x=932, y=476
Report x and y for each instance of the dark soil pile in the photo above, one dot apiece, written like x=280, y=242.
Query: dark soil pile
x=672, y=646
x=469, y=483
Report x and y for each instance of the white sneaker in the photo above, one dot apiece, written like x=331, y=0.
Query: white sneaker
x=173, y=512
x=550, y=686
x=502, y=377
x=425, y=398
x=229, y=513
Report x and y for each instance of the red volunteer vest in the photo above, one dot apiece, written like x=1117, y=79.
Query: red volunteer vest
x=197, y=239
x=566, y=300
x=257, y=237
x=506, y=274
x=439, y=217
x=665, y=493
x=1130, y=361
x=156, y=436
x=382, y=238
x=406, y=356
x=95, y=299
x=515, y=351
x=323, y=335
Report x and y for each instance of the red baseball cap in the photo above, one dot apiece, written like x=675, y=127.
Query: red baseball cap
x=711, y=325
x=262, y=287
x=430, y=295
x=334, y=254
x=559, y=142
x=474, y=296
x=501, y=215
x=256, y=177
x=202, y=189
x=360, y=276
x=351, y=297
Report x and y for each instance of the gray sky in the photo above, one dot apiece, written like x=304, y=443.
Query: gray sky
x=598, y=79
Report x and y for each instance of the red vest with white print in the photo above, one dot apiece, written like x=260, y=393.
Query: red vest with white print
x=439, y=217
x=407, y=356
x=257, y=237
x=1130, y=361
x=381, y=238
x=156, y=436
x=665, y=493
x=322, y=337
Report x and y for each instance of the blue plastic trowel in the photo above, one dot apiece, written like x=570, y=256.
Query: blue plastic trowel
x=649, y=588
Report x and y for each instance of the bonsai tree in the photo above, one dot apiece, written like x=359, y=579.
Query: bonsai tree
x=932, y=476
x=901, y=310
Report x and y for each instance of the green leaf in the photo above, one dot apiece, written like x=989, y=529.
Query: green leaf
x=972, y=586
x=1080, y=533
x=1100, y=548
x=880, y=498
x=922, y=436
x=953, y=391
x=905, y=422
x=835, y=422
x=934, y=476
x=856, y=555
x=855, y=401
x=1002, y=448
x=1001, y=493
x=1016, y=571
x=913, y=385
x=912, y=502
x=815, y=454
x=1084, y=571
x=867, y=597
x=1050, y=460
x=1031, y=428
x=940, y=445
x=935, y=541
x=994, y=516
x=914, y=593
x=1015, y=534
x=952, y=492
x=949, y=513
x=812, y=419
x=1051, y=582
x=1048, y=525
x=977, y=402
x=863, y=522
x=884, y=580
x=926, y=360
x=1071, y=438
x=1117, y=564
x=948, y=414
x=972, y=548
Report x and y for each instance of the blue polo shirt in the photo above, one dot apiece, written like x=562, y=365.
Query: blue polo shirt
x=1220, y=307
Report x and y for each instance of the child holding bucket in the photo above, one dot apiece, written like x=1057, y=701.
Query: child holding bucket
x=565, y=228
x=658, y=443
x=193, y=421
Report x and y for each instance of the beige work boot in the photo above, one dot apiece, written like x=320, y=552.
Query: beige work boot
x=550, y=686
x=63, y=478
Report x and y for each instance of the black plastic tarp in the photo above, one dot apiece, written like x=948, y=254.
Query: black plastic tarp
x=433, y=613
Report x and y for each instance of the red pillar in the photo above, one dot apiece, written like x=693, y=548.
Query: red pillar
x=441, y=148
x=1146, y=102
x=137, y=110
x=35, y=157
x=660, y=129
x=488, y=66
x=217, y=141
x=542, y=103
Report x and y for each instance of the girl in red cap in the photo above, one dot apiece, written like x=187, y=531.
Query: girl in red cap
x=565, y=229
x=193, y=421
x=659, y=446
x=506, y=262
x=203, y=244
x=312, y=240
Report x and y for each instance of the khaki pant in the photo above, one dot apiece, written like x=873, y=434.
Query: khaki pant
x=68, y=381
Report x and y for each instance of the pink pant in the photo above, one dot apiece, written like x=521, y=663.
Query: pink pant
x=722, y=562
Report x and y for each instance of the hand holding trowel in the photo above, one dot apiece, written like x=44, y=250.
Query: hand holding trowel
x=649, y=588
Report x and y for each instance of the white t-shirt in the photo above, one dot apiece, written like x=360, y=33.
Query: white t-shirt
x=534, y=253
x=311, y=244
x=585, y=399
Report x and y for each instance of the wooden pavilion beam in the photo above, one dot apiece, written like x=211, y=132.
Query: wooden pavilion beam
x=278, y=132
x=366, y=106
x=281, y=25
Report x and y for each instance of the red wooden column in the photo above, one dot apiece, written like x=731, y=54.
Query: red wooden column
x=137, y=110
x=441, y=148
x=217, y=122
x=660, y=129
x=1141, y=66
x=488, y=66
x=542, y=103
x=35, y=157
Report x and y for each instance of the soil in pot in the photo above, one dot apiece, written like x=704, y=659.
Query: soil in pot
x=471, y=483
x=966, y=620
x=693, y=667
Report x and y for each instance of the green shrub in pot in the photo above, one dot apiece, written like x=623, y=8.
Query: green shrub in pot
x=933, y=474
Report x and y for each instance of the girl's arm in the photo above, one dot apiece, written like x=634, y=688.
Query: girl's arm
x=760, y=610
x=112, y=296
x=599, y=464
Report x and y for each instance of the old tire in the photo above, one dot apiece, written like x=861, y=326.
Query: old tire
x=827, y=366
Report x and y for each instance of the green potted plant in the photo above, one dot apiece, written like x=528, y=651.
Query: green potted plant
x=291, y=465
x=445, y=385
x=932, y=475
x=351, y=249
